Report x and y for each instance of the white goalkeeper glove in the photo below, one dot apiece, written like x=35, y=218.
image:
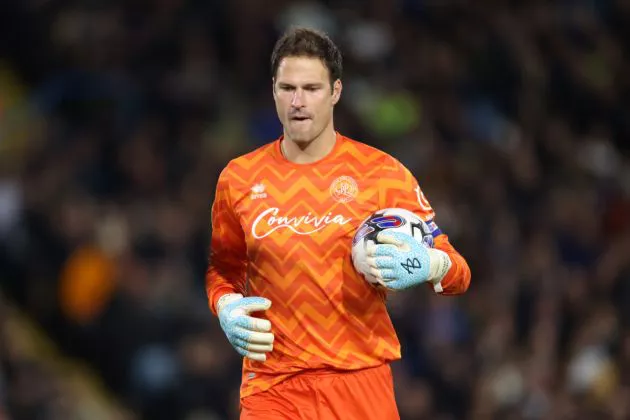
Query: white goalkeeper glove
x=399, y=262
x=250, y=336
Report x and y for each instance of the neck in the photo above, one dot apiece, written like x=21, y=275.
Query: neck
x=312, y=151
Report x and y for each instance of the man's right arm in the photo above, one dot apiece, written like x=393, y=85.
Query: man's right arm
x=250, y=336
x=227, y=266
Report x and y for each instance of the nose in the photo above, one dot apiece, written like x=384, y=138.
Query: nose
x=297, y=101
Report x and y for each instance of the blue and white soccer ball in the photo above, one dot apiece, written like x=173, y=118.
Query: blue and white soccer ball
x=391, y=219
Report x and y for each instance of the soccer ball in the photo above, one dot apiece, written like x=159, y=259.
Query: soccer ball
x=391, y=219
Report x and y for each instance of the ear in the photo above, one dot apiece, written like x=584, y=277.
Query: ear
x=273, y=87
x=336, y=93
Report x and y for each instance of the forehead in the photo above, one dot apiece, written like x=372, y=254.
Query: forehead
x=301, y=69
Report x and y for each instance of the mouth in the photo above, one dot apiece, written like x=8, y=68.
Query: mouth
x=299, y=118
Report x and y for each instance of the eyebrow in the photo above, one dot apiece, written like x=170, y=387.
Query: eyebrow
x=306, y=85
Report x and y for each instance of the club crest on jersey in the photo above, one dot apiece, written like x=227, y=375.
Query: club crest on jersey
x=258, y=191
x=344, y=189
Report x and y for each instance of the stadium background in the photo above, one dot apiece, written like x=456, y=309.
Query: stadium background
x=117, y=116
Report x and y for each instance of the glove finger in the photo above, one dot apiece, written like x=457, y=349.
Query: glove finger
x=387, y=274
x=384, y=262
x=239, y=333
x=372, y=249
x=391, y=238
x=398, y=239
x=260, y=338
x=258, y=357
x=261, y=348
x=382, y=275
x=253, y=324
x=252, y=347
x=240, y=350
x=253, y=336
x=376, y=272
x=396, y=285
x=254, y=304
x=385, y=250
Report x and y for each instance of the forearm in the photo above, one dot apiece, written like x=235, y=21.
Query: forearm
x=215, y=293
x=457, y=279
x=221, y=281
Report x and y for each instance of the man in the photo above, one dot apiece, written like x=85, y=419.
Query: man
x=316, y=336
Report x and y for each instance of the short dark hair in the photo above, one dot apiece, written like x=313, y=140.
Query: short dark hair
x=306, y=42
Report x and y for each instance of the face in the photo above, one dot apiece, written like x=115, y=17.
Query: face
x=304, y=98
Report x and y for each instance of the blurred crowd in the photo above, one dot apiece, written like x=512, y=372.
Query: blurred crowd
x=36, y=387
x=116, y=118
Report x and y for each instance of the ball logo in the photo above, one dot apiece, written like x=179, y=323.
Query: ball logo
x=344, y=189
x=387, y=222
x=378, y=223
x=363, y=231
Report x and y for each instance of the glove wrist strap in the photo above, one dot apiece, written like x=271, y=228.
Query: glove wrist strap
x=440, y=264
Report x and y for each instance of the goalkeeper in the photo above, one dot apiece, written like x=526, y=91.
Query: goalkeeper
x=316, y=337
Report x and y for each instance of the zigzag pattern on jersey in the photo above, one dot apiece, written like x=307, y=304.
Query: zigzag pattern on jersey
x=402, y=182
x=300, y=306
x=356, y=160
x=321, y=331
x=398, y=178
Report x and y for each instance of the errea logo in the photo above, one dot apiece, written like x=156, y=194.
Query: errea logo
x=258, y=191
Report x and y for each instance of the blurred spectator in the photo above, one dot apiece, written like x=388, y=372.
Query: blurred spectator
x=116, y=118
x=36, y=383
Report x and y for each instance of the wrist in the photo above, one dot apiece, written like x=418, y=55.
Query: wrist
x=439, y=265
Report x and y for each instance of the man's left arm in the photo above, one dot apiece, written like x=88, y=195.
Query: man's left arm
x=444, y=268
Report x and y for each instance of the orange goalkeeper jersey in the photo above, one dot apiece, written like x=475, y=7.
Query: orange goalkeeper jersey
x=283, y=231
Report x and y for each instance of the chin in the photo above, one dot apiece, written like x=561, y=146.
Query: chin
x=300, y=138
